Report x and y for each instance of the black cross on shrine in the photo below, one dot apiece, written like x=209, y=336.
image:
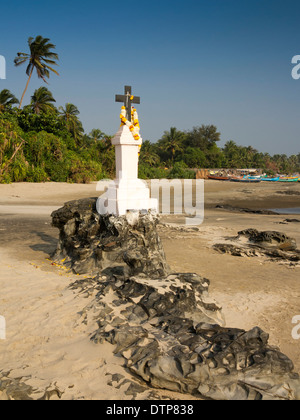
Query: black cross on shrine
x=128, y=99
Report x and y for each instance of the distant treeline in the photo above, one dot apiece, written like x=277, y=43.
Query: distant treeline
x=41, y=143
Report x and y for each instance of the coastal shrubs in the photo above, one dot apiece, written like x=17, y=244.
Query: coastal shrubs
x=41, y=142
x=180, y=170
x=50, y=145
x=42, y=156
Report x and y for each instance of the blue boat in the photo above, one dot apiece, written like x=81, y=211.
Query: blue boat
x=248, y=180
x=285, y=179
x=271, y=179
x=252, y=177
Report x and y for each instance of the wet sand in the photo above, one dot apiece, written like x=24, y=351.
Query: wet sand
x=46, y=342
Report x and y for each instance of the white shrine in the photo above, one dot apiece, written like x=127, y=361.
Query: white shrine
x=127, y=192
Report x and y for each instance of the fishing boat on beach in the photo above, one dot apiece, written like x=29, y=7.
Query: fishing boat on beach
x=270, y=179
x=245, y=180
x=288, y=179
x=253, y=177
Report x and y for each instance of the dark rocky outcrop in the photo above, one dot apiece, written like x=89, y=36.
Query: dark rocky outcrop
x=268, y=239
x=288, y=192
x=275, y=245
x=14, y=389
x=88, y=242
x=168, y=330
x=244, y=210
x=169, y=335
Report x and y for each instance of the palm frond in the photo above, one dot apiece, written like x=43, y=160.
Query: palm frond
x=54, y=71
x=41, y=55
x=50, y=61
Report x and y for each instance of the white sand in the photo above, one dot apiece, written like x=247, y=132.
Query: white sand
x=48, y=345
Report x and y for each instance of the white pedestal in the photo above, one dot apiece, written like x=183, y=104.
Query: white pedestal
x=126, y=192
x=127, y=149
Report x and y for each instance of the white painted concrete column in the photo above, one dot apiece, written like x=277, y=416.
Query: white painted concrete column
x=126, y=192
x=127, y=149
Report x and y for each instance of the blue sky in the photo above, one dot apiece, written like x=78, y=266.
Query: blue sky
x=192, y=62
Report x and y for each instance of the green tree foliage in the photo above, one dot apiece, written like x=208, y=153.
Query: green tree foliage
x=247, y=157
x=69, y=115
x=42, y=101
x=7, y=99
x=44, y=150
x=44, y=121
x=180, y=170
x=96, y=135
x=203, y=137
x=194, y=157
x=148, y=154
x=51, y=146
x=171, y=144
x=42, y=143
x=12, y=161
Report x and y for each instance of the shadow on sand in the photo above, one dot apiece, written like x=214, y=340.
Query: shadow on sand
x=48, y=246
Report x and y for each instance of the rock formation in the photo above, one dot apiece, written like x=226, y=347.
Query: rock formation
x=16, y=390
x=275, y=245
x=244, y=210
x=88, y=242
x=168, y=330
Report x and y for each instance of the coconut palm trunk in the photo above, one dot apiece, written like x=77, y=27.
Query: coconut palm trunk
x=27, y=84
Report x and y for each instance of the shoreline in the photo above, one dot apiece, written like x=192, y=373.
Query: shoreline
x=256, y=197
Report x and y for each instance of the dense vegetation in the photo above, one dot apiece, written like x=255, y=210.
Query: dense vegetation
x=41, y=142
x=49, y=146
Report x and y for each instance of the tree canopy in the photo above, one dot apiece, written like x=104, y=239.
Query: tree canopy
x=7, y=99
x=42, y=101
x=41, y=142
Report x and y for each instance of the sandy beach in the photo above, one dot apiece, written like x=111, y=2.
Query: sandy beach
x=48, y=347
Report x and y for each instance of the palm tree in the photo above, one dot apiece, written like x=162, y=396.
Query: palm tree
x=69, y=115
x=41, y=100
x=106, y=142
x=148, y=156
x=39, y=58
x=172, y=141
x=293, y=163
x=7, y=99
x=96, y=134
x=231, y=151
